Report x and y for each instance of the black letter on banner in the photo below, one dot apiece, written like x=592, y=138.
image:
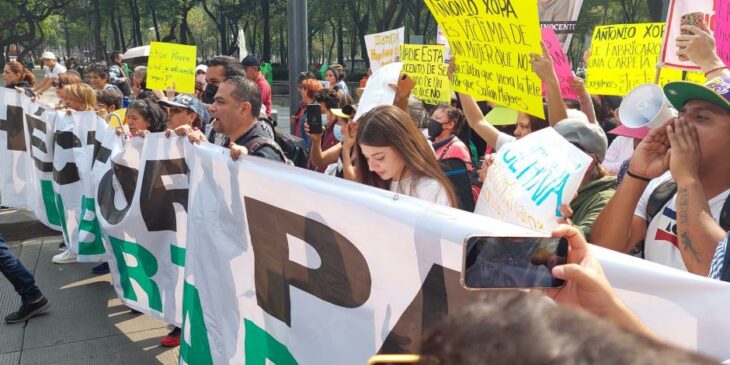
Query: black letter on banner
x=440, y=294
x=342, y=279
x=127, y=178
x=69, y=174
x=101, y=153
x=14, y=127
x=34, y=124
x=156, y=201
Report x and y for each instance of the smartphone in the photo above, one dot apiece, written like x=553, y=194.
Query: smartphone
x=314, y=118
x=512, y=262
x=695, y=19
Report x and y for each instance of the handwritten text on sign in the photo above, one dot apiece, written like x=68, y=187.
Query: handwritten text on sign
x=171, y=64
x=492, y=42
x=623, y=56
x=531, y=178
x=560, y=63
x=425, y=65
x=384, y=48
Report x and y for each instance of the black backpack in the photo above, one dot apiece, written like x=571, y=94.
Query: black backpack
x=661, y=196
x=455, y=170
x=293, y=147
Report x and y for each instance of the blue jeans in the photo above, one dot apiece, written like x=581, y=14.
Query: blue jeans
x=18, y=275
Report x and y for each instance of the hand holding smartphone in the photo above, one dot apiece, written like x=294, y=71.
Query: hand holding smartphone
x=314, y=118
x=512, y=262
x=696, y=19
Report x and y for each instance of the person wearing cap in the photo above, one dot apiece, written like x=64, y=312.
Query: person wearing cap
x=336, y=158
x=252, y=68
x=680, y=171
x=183, y=110
x=325, y=141
x=597, y=186
x=53, y=70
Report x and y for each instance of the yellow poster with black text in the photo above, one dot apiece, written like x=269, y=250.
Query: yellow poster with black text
x=623, y=56
x=491, y=42
x=425, y=65
x=171, y=65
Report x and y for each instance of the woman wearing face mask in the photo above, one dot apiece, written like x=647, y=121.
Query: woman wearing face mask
x=446, y=123
x=337, y=160
x=392, y=154
x=327, y=100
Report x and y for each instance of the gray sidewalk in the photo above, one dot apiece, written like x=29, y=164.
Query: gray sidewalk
x=86, y=323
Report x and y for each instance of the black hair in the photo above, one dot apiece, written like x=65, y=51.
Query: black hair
x=512, y=327
x=109, y=97
x=231, y=66
x=151, y=113
x=329, y=97
x=113, y=56
x=148, y=95
x=98, y=69
x=246, y=91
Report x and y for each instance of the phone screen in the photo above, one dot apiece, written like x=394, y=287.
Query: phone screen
x=513, y=262
x=314, y=118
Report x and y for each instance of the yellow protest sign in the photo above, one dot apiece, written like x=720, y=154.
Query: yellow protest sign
x=170, y=64
x=623, y=56
x=668, y=75
x=491, y=42
x=425, y=66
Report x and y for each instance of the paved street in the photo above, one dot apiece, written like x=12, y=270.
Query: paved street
x=86, y=323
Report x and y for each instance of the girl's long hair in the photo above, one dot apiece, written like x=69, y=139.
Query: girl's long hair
x=388, y=126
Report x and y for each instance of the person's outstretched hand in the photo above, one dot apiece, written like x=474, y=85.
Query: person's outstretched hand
x=542, y=64
x=698, y=47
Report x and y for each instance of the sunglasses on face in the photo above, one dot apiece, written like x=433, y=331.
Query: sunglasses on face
x=174, y=111
x=58, y=84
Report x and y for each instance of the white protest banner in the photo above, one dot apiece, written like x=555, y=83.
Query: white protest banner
x=531, y=178
x=91, y=238
x=384, y=48
x=678, y=8
x=13, y=154
x=72, y=159
x=344, y=271
x=141, y=205
x=39, y=138
x=378, y=91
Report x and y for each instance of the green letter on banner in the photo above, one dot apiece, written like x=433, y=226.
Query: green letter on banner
x=141, y=273
x=62, y=218
x=49, y=202
x=261, y=346
x=89, y=228
x=196, y=352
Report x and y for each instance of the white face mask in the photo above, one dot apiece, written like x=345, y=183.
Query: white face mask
x=324, y=119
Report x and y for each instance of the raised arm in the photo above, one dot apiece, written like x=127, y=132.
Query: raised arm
x=476, y=120
x=543, y=67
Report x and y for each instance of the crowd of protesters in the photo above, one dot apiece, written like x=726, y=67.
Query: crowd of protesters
x=659, y=194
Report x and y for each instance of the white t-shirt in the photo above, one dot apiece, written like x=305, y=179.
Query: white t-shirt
x=426, y=189
x=503, y=139
x=619, y=151
x=660, y=243
x=53, y=73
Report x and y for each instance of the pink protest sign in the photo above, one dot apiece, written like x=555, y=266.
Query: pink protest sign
x=560, y=62
x=722, y=30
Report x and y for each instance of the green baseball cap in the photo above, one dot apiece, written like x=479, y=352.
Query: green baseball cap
x=716, y=91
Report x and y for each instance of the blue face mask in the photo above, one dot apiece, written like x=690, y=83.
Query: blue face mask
x=337, y=130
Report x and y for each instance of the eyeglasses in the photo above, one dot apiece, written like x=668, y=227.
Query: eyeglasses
x=58, y=84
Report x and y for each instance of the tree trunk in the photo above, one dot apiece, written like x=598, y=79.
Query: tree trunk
x=282, y=48
x=99, y=51
x=265, y=7
x=121, y=29
x=340, y=41
x=155, y=24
